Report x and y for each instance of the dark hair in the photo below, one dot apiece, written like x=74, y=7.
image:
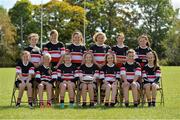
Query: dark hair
x=156, y=60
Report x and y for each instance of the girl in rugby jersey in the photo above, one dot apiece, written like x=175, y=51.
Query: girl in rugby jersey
x=130, y=74
x=151, y=76
x=142, y=50
x=55, y=48
x=67, y=75
x=24, y=71
x=120, y=50
x=99, y=48
x=44, y=76
x=110, y=74
x=89, y=72
x=77, y=48
x=34, y=49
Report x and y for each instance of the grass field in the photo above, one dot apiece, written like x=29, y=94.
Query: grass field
x=171, y=110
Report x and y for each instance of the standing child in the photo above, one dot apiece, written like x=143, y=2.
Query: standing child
x=131, y=72
x=55, y=48
x=34, y=49
x=89, y=72
x=67, y=76
x=45, y=79
x=110, y=74
x=24, y=71
x=77, y=48
x=99, y=48
x=142, y=50
x=151, y=76
x=120, y=50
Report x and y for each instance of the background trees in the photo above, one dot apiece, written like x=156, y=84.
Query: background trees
x=155, y=18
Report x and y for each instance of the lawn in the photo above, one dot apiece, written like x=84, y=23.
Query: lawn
x=171, y=110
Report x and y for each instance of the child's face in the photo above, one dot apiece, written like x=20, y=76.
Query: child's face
x=120, y=39
x=46, y=60
x=67, y=58
x=26, y=56
x=88, y=58
x=76, y=39
x=33, y=41
x=100, y=39
x=142, y=42
x=150, y=57
x=53, y=37
x=110, y=59
x=131, y=57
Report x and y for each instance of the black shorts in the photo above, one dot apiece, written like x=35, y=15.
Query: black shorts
x=17, y=82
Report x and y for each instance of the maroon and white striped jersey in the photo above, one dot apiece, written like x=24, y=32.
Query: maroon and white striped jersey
x=110, y=73
x=100, y=52
x=150, y=73
x=67, y=72
x=45, y=74
x=141, y=55
x=35, y=54
x=25, y=70
x=55, y=50
x=131, y=70
x=92, y=71
x=77, y=52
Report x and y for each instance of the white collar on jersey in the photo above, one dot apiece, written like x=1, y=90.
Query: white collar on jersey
x=90, y=65
x=120, y=46
x=68, y=65
x=100, y=45
x=150, y=66
x=110, y=65
x=76, y=44
x=25, y=64
x=45, y=66
x=143, y=47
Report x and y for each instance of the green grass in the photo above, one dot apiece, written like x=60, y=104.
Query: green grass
x=171, y=109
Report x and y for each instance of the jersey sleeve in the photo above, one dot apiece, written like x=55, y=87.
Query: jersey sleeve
x=31, y=69
x=123, y=70
x=18, y=68
x=138, y=70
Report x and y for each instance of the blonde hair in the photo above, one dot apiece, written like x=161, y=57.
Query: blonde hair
x=84, y=56
x=80, y=34
x=146, y=37
x=33, y=35
x=54, y=32
x=131, y=51
x=120, y=34
x=47, y=55
x=97, y=34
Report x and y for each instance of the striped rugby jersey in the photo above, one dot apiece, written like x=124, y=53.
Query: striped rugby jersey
x=130, y=70
x=35, y=54
x=25, y=70
x=100, y=52
x=55, y=50
x=150, y=73
x=76, y=52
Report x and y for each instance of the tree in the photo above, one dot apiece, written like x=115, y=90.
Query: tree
x=156, y=20
x=56, y=15
x=111, y=17
x=21, y=17
x=7, y=41
x=173, y=44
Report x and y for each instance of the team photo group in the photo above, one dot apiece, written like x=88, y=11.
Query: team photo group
x=59, y=69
